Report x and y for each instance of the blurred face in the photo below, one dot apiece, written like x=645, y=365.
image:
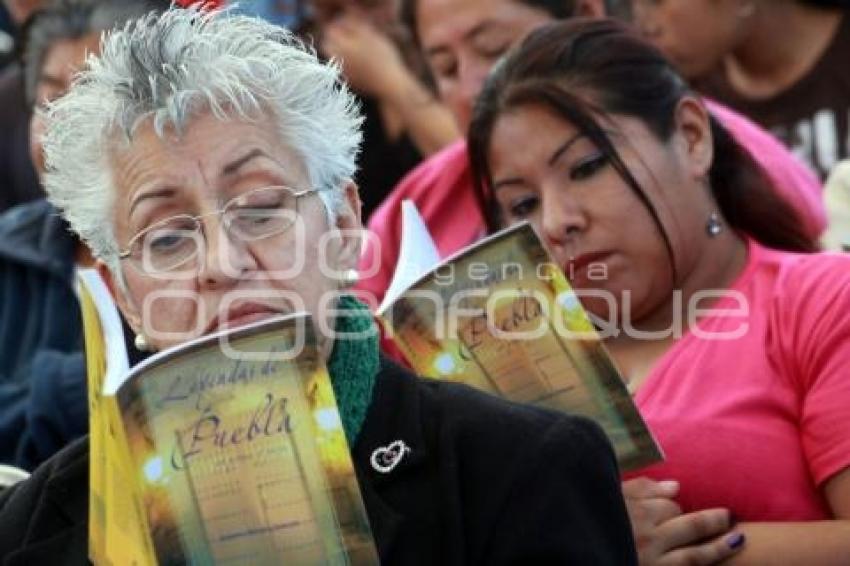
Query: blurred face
x=380, y=12
x=61, y=62
x=597, y=228
x=20, y=10
x=694, y=34
x=236, y=277
x=462, y=39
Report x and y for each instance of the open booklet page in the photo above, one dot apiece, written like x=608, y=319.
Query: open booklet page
x=116, y=526
x=500, y=316
x=240, y=454
x=228, y=449
x=417, y=254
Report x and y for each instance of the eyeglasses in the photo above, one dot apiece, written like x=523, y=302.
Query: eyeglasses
x=176, y=241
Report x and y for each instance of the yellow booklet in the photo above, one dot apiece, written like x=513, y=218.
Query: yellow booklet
x=235, y=453
x=500, y=316
x=117, y=534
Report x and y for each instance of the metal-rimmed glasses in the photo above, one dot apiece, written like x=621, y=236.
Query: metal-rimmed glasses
x=173, y=242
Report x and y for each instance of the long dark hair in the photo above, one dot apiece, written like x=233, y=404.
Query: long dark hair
x=581, y=68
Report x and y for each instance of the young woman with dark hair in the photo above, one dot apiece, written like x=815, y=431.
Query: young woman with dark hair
x=736, y=352
x=742, y=192
x=461, y=40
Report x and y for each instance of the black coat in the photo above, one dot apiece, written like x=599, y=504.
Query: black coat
x=484, y=482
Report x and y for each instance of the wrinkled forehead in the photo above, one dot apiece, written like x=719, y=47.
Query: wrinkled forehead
x=207, y=155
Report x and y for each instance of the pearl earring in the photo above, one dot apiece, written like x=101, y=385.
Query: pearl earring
x=141, y=343
x=350, y=277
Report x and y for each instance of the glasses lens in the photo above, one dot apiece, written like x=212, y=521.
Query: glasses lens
x=168, y=245
x=262, y=213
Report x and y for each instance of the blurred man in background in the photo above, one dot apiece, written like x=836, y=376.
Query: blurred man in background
x=797, y=87
x=18, y=181
x=43, y=402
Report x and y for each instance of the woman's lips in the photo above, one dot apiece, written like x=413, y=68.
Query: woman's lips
x=576, y=269
x=240, y=315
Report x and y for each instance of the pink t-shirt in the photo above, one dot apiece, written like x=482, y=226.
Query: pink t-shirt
x=442, y=189
x=757, y=424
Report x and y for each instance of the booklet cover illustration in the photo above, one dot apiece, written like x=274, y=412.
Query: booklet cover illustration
x=235, y=453
x=501, y=316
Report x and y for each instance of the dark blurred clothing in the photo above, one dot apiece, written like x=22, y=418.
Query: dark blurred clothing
x=6, y=23
x=383, y=162
x=18, y=179
x=43, y=403
x=812, y=117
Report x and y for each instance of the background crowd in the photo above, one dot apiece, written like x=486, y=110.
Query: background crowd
x=731, y=140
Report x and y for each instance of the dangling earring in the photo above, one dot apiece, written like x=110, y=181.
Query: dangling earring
x=141, y=343
x=350, y=277
x=713, y=227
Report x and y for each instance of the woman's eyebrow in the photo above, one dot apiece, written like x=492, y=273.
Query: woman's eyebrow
x=556, y=155
x=158, y=193
x=507, y=182
x=237, y=163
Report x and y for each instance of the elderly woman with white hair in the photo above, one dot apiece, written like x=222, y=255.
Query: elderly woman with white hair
x=153, y=155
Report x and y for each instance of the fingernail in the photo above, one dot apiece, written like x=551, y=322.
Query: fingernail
x=669, y=485
x=736, y=541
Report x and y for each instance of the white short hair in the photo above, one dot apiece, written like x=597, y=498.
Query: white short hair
x=172, y=66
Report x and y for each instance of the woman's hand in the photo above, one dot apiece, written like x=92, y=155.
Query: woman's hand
x=374, y=66
x=666, y=537
x=371, y=62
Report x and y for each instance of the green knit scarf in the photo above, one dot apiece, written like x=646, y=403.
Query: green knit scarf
x=354, y=363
